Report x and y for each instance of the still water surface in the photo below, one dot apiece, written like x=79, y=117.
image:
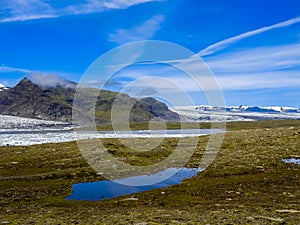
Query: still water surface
x=95, y=191
x=292, y=160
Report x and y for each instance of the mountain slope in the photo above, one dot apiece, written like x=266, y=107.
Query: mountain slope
x=29, y=100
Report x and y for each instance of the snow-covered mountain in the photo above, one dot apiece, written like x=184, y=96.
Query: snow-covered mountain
x=206, y=113
x=3, y=87
x=20, y=123
x=244, y=108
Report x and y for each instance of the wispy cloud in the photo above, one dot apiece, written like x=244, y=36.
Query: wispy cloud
x=236, y=82
x=141, y=32
x=223, y=44
x=40, y=78
x=16, y=10
x=258, y=68
x=262, y=81
x=272, y=67
x=50, y=80
x=7, y=69
x=117, y=4
x=262, y=59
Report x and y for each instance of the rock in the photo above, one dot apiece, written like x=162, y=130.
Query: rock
x=129, y=199
x=287, y=211
x=270, y=219
x=260, y=168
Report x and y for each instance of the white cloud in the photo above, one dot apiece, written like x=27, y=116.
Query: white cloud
x=117, y=4
x=167, y=80
x=7, y=69
x=140, y=32
x=39, y=78
x=50, y=80
x=265, y=80
x=19, y=10
x=223, y=44
x=257, y=68
x=238, y=81
x=272, y=58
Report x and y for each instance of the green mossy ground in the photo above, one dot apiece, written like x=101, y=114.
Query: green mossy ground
x=247, y=183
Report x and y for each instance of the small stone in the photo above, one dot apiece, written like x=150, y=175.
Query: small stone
x=287, y=211
x=261, y=168
x=250, y=218
x=270, y=218
x=74, y=222
x=129, y=199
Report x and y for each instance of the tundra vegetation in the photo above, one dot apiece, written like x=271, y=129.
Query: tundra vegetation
x=248, y=183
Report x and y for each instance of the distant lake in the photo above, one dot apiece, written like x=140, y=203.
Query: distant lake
x=292, y=160
x=106, y=189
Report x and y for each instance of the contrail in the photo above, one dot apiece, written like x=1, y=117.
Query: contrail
x=223, y=44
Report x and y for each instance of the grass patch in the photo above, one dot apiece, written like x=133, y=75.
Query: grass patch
x=247, y=183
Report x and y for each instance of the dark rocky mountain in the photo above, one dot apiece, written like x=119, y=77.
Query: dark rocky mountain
x=259, y=109
x=27, y=99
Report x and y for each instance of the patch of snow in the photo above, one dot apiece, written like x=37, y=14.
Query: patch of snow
x=276, y=108
x=17, y=138
x=236, y=113
x=2, y=87
x=17, y=131
x=17, y=123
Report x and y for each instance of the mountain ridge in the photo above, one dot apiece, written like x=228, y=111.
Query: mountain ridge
x=30, y=100
x=245, y=108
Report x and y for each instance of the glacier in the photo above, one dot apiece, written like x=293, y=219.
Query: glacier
x=205, y=113
x=16, y=131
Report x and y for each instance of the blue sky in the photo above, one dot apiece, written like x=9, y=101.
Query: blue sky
x=252, y=47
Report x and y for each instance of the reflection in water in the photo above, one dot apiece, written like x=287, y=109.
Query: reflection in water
x=292, y=160
x=106, y=189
